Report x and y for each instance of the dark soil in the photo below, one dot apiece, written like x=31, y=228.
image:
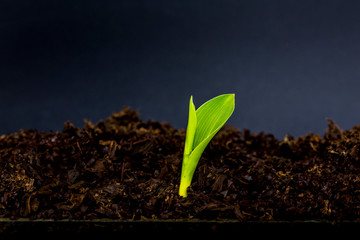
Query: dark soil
x=125, y=168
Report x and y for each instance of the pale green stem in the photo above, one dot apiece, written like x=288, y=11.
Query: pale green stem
x=185, y=180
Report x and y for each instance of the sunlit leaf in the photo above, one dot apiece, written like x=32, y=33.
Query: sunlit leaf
x=203, y=124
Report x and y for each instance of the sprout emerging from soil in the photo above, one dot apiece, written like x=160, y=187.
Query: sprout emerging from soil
x=203, y=124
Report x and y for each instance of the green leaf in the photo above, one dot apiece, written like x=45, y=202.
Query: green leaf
x=190, y=132
x=203, y=124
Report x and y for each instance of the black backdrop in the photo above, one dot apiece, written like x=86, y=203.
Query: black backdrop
x=290, y=63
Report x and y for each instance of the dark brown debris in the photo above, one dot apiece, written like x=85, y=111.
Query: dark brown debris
x=125, y=168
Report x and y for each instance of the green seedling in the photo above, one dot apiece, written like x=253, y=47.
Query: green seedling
x=202, y=126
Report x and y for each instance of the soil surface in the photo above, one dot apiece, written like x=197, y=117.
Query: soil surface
x=126, y=168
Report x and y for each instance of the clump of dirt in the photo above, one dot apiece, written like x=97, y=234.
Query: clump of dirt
x=126, y=168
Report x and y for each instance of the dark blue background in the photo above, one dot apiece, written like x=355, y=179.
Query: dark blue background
x=291, y=63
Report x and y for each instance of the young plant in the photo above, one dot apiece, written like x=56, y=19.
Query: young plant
x=202, y=126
